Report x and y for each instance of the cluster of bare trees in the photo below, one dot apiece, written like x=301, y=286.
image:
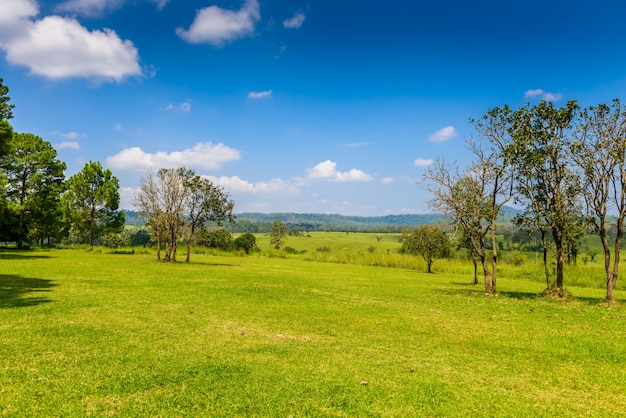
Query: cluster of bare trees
x=177, y=203
x=564, y=166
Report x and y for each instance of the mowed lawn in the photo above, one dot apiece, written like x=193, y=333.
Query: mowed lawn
x=96, y=334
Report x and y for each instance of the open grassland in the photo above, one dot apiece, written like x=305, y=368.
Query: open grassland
x=98, y=334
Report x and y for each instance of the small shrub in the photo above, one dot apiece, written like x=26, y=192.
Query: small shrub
x=323, y=249
x=371, y=249
x=290, y=250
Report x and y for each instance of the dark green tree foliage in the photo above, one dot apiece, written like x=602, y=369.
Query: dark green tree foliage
x=246, y=242
x=427, y=241
x=91, y=203
x=34, y=185
x=278, y=234
x=6, y=113
x=220, y=239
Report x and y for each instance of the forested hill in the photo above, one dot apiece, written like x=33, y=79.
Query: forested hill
x=334, y=222
x=261, y=222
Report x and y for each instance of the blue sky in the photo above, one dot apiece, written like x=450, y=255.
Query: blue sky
x=327, y=106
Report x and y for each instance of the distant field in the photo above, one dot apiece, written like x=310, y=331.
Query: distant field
x=99, y=334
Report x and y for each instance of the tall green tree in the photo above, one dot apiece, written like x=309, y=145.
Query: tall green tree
x=545, y=180
x=600, y=154
x=34, y=182
x=91, y=202
x=278, y=234
x=427, y=241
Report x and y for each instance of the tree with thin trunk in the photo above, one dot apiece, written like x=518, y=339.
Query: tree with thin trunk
x=545, y=181
x=600, y=153
x=205, y=203
x=462, y=196
x=427, y=241
x=277, y=234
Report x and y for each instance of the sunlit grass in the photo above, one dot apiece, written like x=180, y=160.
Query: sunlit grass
x=95, y=334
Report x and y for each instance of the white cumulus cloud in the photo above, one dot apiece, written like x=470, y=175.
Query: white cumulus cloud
x=443, y=134
x=203, y=155
x=235, y=184
x=259, y=94
x=295, y=22
x=216, y=26
x=422, y=162
x=327, y=170
x=56, y=47
x=543, y=95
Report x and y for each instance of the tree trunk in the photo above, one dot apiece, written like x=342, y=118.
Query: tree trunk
x=546, y=267
x=475, y=262
x=494, y=254
x=487, y=276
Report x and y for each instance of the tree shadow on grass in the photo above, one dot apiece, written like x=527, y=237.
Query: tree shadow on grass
x=21, y=256
x=16, y=291
x=472, y=289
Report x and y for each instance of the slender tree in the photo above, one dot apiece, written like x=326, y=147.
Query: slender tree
x=278, y=234
x=91, y=202
x=600, y=153
x=546, y=183
x=205, y=203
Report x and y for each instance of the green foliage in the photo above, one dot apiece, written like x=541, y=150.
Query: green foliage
x=116, y=240
x=220, y=238
x=277, y=234
x=139, y=237
x=91, y=202
x=428, y=241
x=245, y=242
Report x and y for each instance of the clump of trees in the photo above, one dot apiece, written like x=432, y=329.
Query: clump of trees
x=564, y=166
x=37, y=204
x=178, y=203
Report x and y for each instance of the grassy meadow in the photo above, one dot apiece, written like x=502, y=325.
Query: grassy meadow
x=103, y=334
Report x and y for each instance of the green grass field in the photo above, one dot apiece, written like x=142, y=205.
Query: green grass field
x=99, y=334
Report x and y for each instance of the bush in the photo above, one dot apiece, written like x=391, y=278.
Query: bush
x=116, y=240
x=323, y=249
x=245, y=242
x=220, y=239
x=290, y=250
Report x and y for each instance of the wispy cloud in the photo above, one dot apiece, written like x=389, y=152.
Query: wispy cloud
x=387, y=180
x=259, y=94
x=204, y=155
x=68, y=144
x=57, y=47
x=183, y=107
x=443, y=134
x=422, y=162
x=295, y=22
x=327, y=170
x=216, y=26
x=357, y=144
x=97, y=8
x=543, y=95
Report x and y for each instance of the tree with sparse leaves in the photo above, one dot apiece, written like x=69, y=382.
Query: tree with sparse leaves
x=278, y=234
